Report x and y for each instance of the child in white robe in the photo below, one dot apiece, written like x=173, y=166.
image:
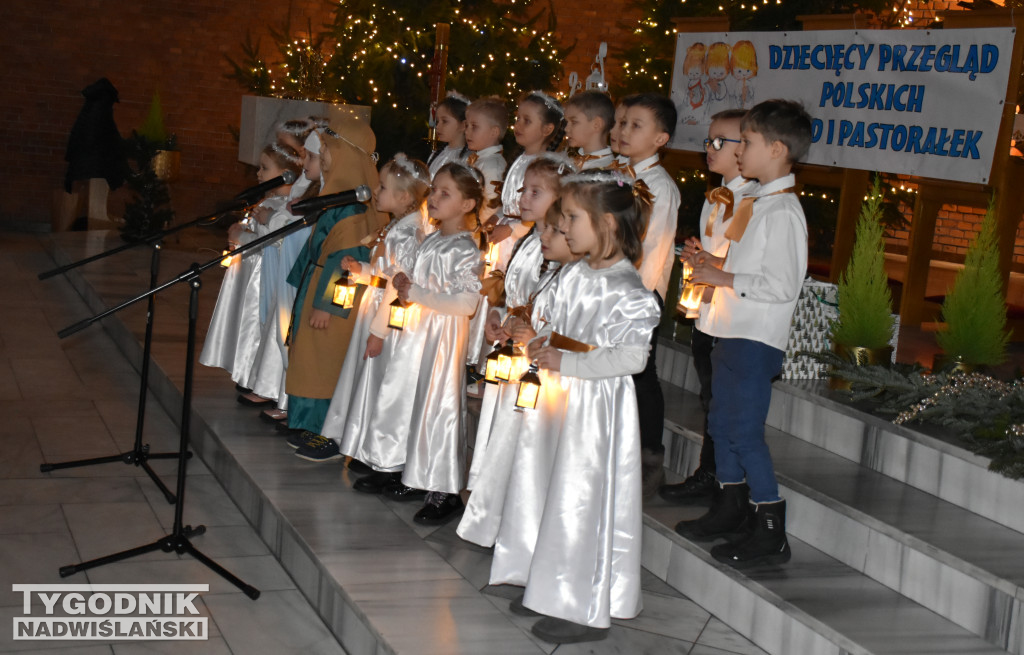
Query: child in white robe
x=596, y=332
x=234, y=335
x=403, y=187
x=422, y=400
x=488, y=475
x=451, y=131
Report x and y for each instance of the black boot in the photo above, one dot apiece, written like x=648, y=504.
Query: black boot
x=700, y=486
x=729, y=515
x=767, y=544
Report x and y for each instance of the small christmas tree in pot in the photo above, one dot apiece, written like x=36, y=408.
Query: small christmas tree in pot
x=975, y=307
x=862, y=331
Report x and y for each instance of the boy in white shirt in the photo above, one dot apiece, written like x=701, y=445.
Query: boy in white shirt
x=588, y=119
x=756, y=289
x=649, y=122
x=721, y=145
x=486, y=124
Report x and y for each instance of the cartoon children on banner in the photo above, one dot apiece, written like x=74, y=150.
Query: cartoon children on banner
x=717, y=68
x=708, y=88
x=744, y=70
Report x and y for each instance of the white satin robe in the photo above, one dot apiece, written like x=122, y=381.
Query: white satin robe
x=420, y=415
x=445, y=155
x=521, y=282
x=511, y=192
x=586, y=562
x=355, y=395
x=270, y=365
x=234, y=335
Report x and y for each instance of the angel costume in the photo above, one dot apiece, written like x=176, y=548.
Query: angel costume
x=266, y=378
x=586, y=563
x=531, y=457
x=521, y=281
x=446, y=155
x=234, y=334
x=419, y=420
x=511, y=192
x=355, y=395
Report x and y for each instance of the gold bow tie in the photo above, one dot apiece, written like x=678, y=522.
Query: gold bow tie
x=718, y=197
x=741, y=217
x=580, y=159
x=472, y=159
x=625, y=168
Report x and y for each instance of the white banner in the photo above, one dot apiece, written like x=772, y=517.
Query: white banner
x=919, y=102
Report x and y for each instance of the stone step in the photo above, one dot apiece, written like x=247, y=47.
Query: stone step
x=814, y=604
x=809, y=411
x=960, y=565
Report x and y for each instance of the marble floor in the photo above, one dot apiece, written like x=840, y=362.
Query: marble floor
x=76, y=398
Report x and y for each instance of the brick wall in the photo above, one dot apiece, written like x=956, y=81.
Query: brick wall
x=177, y=48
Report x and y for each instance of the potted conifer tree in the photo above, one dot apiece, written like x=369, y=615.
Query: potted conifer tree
x=154, y=162
x=974, y=309
x=864, y=327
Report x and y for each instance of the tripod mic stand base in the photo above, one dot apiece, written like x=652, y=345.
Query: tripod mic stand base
x=139, y=457
x=175, y=542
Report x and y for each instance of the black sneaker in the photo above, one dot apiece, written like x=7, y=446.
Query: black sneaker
x=299, y=438
x=319, y=449
x=439, y=508
x=699, y=487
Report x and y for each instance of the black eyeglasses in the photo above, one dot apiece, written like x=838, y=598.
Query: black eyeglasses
x=718, y=142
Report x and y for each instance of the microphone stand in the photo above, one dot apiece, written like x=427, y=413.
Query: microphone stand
x=178, y=540
x=139, y=455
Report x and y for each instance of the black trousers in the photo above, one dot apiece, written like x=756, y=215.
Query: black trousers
x=649, y=399
x=701, y=345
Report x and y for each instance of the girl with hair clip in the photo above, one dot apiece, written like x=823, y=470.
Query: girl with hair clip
x=419, y=423
x=498, y=423
x=234, y=335
x=595, y=332
x=451, y=130
x=404, y=184
x=320, y=331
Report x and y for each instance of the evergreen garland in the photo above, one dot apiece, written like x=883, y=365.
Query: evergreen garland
x=986, y=415
x=865, y=301
x=975, y=307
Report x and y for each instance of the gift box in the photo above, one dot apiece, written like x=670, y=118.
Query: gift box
x=816, y=308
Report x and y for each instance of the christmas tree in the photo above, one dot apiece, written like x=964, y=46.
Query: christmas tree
x=379, y=54
x=975, y=308
x=865, y=301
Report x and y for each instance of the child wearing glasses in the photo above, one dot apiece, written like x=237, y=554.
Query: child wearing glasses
x=720, y=146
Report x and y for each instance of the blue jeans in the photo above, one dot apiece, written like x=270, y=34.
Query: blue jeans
x=741, y=390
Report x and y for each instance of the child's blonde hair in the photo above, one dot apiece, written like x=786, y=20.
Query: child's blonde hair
x=411, y=176
x=694, y=58
x=717, y=56
x=493, y=109
x=629, y=203
x=744, y=56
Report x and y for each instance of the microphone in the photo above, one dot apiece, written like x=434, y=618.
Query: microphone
x=359, y=194
x=255, y=193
